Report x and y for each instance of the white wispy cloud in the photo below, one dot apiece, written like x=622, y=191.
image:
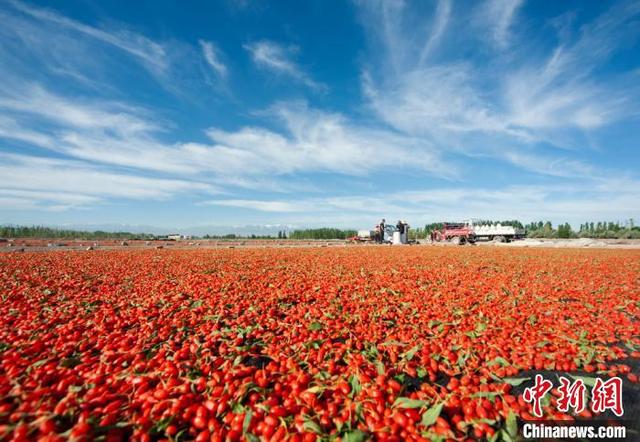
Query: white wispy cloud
x=437, y=28
x=32, y=99
x=211, y=54
x=525, y=202
x=116, y=134
x=279, y=59
x=498, y=17
x=552, y=166
x=434, y=100
x=472, y=103
x=9, y=128
x=314, y=140
x=437, y=98
x=133, y=43
x=45, y=45
x=428, y=109
x=263, y=206
x=560, y=92
x=18, y=199
x=67, y=183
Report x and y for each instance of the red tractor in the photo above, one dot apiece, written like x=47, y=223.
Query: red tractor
x=457, y=233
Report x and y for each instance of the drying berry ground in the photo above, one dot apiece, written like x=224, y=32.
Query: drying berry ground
x=345, y=343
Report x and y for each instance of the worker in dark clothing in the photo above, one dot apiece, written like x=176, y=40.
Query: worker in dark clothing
x=400, y=227
x=382, y=227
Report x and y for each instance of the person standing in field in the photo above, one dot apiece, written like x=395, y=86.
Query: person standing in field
x=382, y=226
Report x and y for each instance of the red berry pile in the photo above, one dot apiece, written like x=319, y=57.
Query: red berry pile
x=353, y=343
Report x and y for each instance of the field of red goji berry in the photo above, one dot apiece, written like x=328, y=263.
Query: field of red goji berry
x=306, y=344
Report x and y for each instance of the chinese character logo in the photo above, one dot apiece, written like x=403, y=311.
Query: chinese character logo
x=536, y=393
x=571, y=395
x=607, y=396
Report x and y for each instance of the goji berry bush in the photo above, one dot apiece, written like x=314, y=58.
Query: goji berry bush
x=303, y=343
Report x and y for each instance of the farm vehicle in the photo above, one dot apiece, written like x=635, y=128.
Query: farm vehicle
x=390, y=234
x=468, y=232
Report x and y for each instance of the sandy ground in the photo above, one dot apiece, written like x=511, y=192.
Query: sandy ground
x=30, y=244
x=581, y=243
x=576, y=243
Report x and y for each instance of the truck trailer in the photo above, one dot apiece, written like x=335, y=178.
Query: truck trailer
x=469, y=232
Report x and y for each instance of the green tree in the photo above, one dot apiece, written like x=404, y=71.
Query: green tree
x=564, y=231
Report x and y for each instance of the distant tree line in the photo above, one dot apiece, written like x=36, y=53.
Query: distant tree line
x=10, y=231
x=545, y=230
x=48, y=232
x=539, y=229
x=600, y=229
x=322, y=233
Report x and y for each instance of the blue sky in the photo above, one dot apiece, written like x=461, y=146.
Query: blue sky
x=318, y=113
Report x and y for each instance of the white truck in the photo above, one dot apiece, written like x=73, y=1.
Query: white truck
x=470, y=232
